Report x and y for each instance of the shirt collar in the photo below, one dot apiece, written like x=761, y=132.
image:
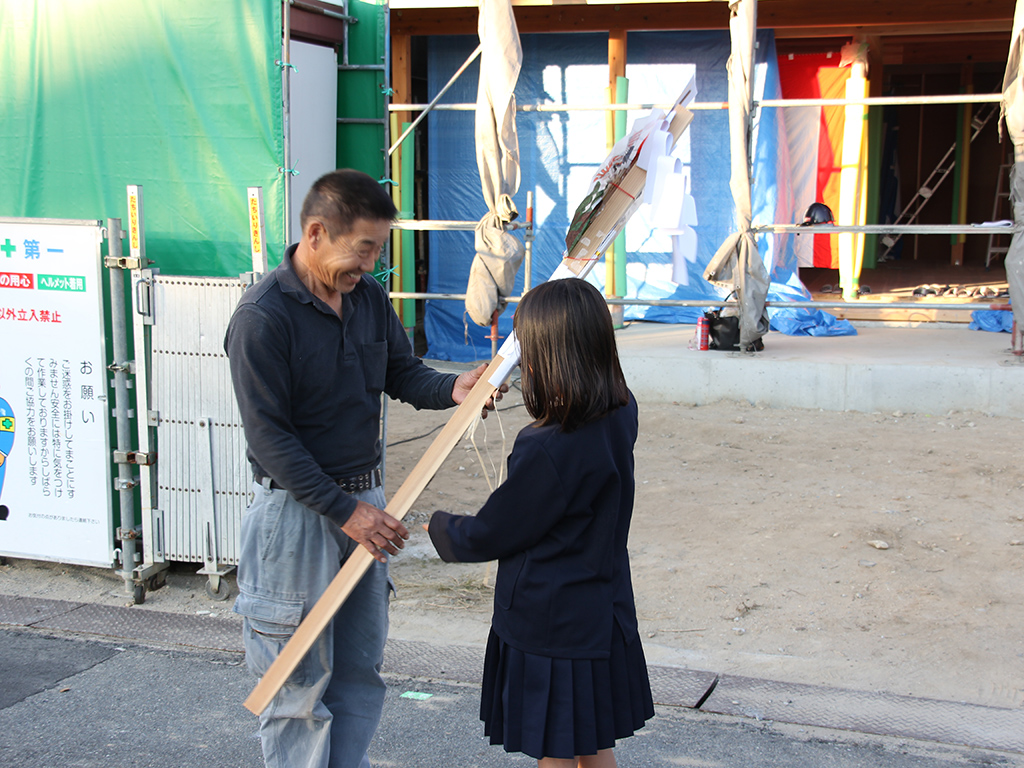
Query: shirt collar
x=291, y=285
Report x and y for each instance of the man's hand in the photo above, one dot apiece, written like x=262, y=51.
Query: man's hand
x=376, y=530
x=465, y=383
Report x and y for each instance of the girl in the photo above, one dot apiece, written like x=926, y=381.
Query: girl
x=564, y=671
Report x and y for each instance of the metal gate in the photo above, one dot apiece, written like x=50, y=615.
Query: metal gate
x=200, y=482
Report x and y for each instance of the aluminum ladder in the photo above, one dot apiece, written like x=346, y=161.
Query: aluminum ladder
x=935, y=179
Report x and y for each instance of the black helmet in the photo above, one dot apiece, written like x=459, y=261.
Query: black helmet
x=817, y=213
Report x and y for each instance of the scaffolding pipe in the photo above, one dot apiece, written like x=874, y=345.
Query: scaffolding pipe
x=839, y=303
x=120, y=367
x=871, y=101
x=889, y=229
x=434, y=225
x=286, y=120
x=433, y=104
x=528, y=244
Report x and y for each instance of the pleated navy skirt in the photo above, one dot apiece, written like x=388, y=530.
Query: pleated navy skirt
x=562, y=708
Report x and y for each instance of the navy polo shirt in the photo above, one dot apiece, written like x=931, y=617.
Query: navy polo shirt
x=308, y=383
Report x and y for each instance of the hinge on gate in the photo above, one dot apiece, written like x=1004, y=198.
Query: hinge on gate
x=135, y=457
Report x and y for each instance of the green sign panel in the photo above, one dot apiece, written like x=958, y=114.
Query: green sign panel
x=60, y=283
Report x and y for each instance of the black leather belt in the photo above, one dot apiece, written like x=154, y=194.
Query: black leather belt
x=363, y=482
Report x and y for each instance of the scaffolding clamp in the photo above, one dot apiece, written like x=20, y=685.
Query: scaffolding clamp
x=140, y=458
x=127, y=535
x=122, y=262
x=126, y=367
x=125, y=485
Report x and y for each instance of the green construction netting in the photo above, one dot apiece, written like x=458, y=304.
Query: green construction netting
x=181, y=96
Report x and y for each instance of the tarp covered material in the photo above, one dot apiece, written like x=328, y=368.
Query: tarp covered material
x=498, y=252
x=559, y=152
x=180, y=96
x=1012, y=110
x=737, y=265
x=995, y=320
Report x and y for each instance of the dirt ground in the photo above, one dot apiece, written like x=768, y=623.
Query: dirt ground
x=879, y=552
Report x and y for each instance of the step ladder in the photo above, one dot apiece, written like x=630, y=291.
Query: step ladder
x=995, y=247
x=935, y=178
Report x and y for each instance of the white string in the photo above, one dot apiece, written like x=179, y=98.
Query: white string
x=499, y=471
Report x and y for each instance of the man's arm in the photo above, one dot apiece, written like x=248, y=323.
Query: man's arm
x=258, y=351
x=260, y=373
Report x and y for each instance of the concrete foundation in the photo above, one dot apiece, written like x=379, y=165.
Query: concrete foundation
x=927, y=369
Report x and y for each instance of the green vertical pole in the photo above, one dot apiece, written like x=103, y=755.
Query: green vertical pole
x=360, y=92
x=621, y=97
x=407, y=192
x=875, y=148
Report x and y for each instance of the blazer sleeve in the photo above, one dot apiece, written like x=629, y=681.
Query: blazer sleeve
x=515, y=517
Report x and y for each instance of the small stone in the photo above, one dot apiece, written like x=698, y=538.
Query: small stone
x=878, y=544
x=1016, y=543
x=867, y=564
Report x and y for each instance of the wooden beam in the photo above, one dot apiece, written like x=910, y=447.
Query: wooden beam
x=889, y=30
x=311, y=25
x=568, y=18
x=949, y=49
x=401, y=77
x=811, y=18
x=616, y=56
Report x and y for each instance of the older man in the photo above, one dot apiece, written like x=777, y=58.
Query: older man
x=312, y=346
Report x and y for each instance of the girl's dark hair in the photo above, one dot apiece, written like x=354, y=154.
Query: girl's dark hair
x=570, y=366
x=342, y=197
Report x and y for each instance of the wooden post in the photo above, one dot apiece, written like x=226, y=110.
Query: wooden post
x=962, y=160
x=875, y=147
x=401, y=245
x=616, y=70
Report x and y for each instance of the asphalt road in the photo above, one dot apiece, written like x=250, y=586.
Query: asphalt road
x=73, y=702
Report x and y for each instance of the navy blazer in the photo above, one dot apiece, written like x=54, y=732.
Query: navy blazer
x=558, y=528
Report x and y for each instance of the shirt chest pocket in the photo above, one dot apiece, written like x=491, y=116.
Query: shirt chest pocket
x=374, y=357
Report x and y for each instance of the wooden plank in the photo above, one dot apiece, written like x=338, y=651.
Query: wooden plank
x=359, y=561
x=839, y=17
x=401, y=77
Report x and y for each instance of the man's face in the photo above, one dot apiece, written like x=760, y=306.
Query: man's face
x=339, y=264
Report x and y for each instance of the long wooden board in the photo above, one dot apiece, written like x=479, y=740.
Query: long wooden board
x=359, y=561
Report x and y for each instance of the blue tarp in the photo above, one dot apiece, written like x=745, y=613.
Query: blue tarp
x=559, y=152
x=997, y=320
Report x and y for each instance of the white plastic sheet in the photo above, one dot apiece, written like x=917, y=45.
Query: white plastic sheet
x=498, y=252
